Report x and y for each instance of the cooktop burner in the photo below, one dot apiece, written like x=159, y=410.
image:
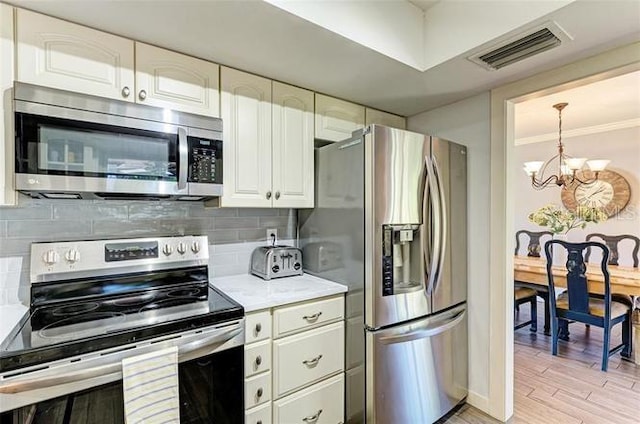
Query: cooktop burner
x=96, y=309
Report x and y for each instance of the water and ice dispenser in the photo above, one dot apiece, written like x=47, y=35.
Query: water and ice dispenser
x=401, y=255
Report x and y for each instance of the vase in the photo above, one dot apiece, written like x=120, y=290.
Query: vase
x=559, y=252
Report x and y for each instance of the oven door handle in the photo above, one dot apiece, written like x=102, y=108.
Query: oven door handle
x=186, y=352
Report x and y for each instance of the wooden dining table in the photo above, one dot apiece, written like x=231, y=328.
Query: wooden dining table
x=533, y=271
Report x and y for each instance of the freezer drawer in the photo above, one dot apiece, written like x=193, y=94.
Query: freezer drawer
x=417, y=372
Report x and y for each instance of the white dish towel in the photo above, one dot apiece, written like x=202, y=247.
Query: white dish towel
x=150, y=383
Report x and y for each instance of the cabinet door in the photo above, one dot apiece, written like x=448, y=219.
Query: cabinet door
x=246, y=114
x=379, y=117
x=337, y=119
x=59, y=54
x=7, y=145
x=292, y=147
x=175, y=81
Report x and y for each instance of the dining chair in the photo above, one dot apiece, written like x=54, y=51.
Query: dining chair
x=527, y=295
x=612, y=243
x=533, y=250
x=576, y=304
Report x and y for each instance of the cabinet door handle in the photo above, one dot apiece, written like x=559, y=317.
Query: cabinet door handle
x=277, y=195
x=312, y=418
x=313, y=317
x=259, y=392
x=142, y=95
x=125, y=92
x=312, y=362
x=258, y=360
x=268, y=195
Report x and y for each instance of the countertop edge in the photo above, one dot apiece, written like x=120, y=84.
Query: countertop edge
x=254, y=299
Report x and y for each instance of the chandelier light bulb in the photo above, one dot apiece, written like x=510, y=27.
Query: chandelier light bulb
x=575, y=163
x=598, y=165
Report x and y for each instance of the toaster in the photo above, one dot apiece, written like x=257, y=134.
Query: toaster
x=269, y=262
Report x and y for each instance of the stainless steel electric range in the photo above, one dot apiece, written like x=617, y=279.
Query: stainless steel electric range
x=95, y=303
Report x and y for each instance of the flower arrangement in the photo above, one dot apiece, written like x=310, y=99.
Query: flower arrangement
x=561, y=221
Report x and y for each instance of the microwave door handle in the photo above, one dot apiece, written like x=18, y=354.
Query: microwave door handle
x=186, y=352
x=183, y=153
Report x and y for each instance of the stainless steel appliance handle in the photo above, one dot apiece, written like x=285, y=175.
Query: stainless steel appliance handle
x=186, y=352
x=427, y=330
x=183, y=152
x=434, y=197
x=443, y=224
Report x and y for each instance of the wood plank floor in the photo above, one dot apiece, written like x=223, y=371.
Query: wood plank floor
x=568, y=388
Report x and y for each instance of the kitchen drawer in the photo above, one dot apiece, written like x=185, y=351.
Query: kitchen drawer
x=257, y=390
x=258, y=415
x=305, y=358
x=322, y=403
x=257, y=326
x=257, y=358
x=292, y=319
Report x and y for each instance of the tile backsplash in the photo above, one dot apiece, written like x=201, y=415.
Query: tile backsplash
x=232, y=232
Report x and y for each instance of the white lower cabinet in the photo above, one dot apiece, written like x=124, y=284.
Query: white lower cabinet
x=294, y=363
x=308, y=357
x=322, y=403
x=257, y=390
x=258, y=415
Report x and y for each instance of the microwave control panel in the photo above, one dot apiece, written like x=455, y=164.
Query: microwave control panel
x=205, y=160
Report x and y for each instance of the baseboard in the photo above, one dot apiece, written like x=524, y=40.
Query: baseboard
x=478, y=401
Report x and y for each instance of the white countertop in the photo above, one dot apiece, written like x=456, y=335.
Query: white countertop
x=254, y=293
x=10, y=315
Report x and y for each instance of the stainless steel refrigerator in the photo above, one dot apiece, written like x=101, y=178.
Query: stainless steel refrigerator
x=390, y=222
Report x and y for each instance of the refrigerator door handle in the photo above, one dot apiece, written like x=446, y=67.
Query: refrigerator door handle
x=435, y=223
x=442, y=211
x=426, y=330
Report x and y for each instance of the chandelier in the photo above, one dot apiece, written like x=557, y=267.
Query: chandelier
x=568, y=166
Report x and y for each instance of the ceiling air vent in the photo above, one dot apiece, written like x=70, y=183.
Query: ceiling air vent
x=524, y=46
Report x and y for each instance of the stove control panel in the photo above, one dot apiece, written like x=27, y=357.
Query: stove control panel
x=102, y=257
x=129, y=251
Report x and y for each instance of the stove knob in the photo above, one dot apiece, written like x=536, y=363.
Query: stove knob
x=167, y=250
x=195, y=247
x=50, y=257
x=182, y=248
x=72, y=255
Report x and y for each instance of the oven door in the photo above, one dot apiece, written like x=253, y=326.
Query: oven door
x=89, y=389
x=99, y=153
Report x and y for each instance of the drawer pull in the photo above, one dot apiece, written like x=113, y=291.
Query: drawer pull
x=312, y=318
x=259, y=422
x=258, y=360
x=258, y=328
x=312, y=362
x=312, y=418
x=259, y=392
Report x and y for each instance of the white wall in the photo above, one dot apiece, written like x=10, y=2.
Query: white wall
x=622, y=147
x=467, y=122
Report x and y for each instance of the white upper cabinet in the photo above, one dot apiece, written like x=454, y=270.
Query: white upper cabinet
x=292, y=147
x=374, y=116
x=246, y=117
x=7, y=193
x=59, y=54
x=337, y=119
x=176, y=81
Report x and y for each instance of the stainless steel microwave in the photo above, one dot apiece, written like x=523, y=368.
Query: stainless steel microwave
x=71, y=145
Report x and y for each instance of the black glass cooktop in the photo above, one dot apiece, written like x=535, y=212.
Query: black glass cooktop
x=115, y=311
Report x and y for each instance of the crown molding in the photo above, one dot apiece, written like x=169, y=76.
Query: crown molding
x=578, y=132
